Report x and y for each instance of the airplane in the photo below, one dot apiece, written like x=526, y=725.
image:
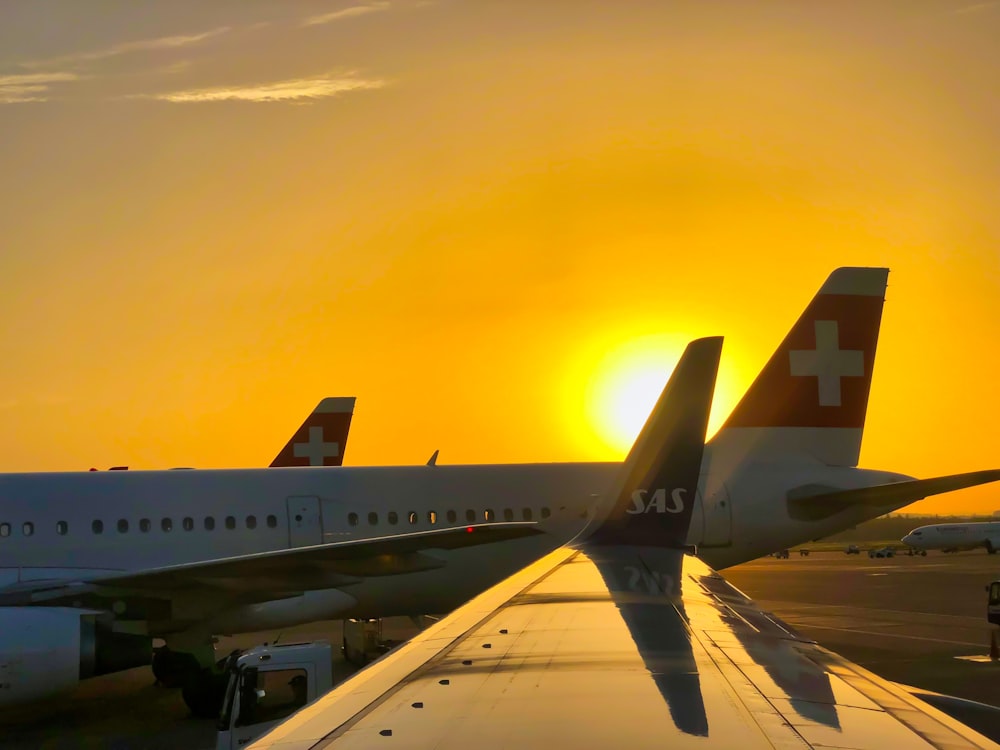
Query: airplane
x=621, y=638
x=188, y=555
x=952, y=537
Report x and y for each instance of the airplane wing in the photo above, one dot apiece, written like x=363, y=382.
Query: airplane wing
x=557, y=656
x=818, y=501
x=621, y=640
x=266, y=574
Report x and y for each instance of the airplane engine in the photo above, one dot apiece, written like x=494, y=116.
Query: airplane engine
x=48, y=650
x=992, y=545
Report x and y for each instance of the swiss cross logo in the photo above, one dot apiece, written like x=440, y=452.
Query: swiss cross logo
x=820, y=375
x=828, y=363
x=315, y=449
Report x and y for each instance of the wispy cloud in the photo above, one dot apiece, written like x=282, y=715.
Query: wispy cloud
x=976, y=8
x=124, y=48
x=351, y=12
x=30, y=87
x=316, y=87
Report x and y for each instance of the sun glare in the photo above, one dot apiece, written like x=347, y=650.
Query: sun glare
x=625, y=387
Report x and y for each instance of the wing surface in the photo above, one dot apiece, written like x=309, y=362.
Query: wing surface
x=556, y=656
x=269, y=573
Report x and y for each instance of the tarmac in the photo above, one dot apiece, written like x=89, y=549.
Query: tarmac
x=908, y=619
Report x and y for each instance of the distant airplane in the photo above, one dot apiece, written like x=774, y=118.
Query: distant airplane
x=185, y=555
x=622, y=638
x=952, y=537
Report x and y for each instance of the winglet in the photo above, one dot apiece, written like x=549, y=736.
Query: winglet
x=321, y=439
x=433, y=460
x=655, y=492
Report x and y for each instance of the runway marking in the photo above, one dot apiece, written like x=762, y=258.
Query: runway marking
x=890, y=635
x=773, y=605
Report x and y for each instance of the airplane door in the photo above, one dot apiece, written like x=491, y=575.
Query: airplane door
x=717, y=511
x=304, y=527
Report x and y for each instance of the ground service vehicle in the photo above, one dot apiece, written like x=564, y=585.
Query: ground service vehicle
x=269, y=683
x=993, y=604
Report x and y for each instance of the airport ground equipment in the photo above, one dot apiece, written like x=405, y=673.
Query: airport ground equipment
x=993, y=603
x=268, y=683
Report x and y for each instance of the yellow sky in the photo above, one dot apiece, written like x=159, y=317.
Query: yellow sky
x=214, y=214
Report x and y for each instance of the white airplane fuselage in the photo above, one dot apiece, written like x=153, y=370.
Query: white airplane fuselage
x=152, y=519
x=956, y=536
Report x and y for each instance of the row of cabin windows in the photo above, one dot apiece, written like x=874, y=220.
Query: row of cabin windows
x=452, y=516
x=145, y=525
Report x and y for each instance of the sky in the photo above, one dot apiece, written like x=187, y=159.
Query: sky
x=495, y=223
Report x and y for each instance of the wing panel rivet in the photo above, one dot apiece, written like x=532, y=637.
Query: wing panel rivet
x=418, y=704
x=487, y=645
x=444, y=682
x=386, y=733
x=503, y=631
x=467, y=662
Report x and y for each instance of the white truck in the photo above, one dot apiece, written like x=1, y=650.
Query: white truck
x=269, y=683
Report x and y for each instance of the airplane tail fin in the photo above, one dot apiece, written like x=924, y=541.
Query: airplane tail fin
x=322, y=438
x=810, y=400
x=654, y=495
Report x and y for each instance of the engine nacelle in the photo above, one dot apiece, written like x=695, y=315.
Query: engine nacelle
x=48, y=650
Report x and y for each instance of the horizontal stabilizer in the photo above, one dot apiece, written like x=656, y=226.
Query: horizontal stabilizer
x=814, y=501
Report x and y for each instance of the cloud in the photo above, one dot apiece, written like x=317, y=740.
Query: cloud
x=352, y=12
x=124, y=48
x=316, y=87
x=19, y=88
x=975, y=8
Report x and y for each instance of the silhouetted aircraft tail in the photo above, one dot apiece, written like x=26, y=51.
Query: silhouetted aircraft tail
x=322, y=438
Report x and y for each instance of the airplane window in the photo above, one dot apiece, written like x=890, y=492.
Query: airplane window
x=4, y=529
x=452, y=516
x=392, y=517
x=144, y=525
x=62, y=528
x=508, y=514
x=546, y=512
x=97, y=527
x=28, y=528
x=352, y=518
x=412, y=517
x=272, y=522
x=209, y=523
x=188, y=523
x=432, y=516
x=230, y=522
x=470, y=515
x=122, y=526
x=251, y=522
x=373, y=518
x=166, y=524
x=526, y=513
x=488, y=514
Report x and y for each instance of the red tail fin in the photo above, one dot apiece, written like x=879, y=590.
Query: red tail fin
x=322, y=438
x=821, y=374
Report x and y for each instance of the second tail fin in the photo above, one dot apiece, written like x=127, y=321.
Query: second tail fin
x=322, y=438
x=811, y=398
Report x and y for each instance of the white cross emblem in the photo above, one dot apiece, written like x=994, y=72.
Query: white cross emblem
x=315, y=449
x=827, y=362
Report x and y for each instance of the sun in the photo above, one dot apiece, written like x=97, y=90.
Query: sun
x=625, y=385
